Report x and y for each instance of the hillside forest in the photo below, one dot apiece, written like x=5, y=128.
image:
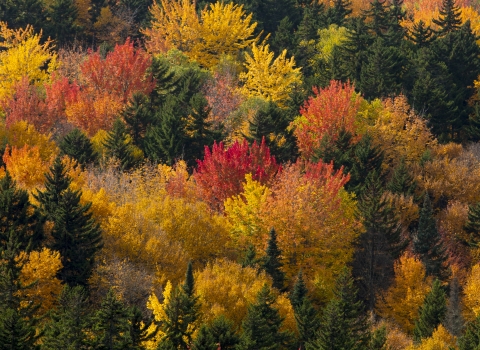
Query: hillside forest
x=251, y=175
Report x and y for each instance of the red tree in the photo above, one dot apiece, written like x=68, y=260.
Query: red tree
x=222, y=171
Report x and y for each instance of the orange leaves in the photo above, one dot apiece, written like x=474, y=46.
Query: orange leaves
x=106, y=86
x=325, y=114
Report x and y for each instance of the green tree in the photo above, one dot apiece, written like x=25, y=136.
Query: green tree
x=471, y=338
x=261, y=326
x=449, y=20
x=61, y=25
x=402, y=182
x=343, y=324
x=220, y=333
x=16, y=332
x=427, y=243
x=473, y=225
x=431, y=313
x=118, y=145
x=271, y=262
x=138, y=116
x=78, y=146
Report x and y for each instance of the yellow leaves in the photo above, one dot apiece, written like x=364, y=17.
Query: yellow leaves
x=23, y=55
x=404, y=297
x=42, y=267
x=400, y=133
x=328, y=39
x=244, y=212
x=272, y=79
x=225, y=29
x=158, y=310
x=440, y=340
x=472, y=291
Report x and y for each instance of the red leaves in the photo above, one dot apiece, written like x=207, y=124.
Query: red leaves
x=326, y=113
x=222, y=171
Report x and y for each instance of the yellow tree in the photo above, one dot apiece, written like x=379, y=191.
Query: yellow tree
x=440, y=340
x=225, y=29
x=22, y=54
x=472, y=291
x=404, y=297
x=272, y=79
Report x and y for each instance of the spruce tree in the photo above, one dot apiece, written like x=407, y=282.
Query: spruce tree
x=431, y=313
x=111, y=326
x=16, y=332
x=118, y=146
x=306, y=317
x=402, y=182
x=219, y=334
x=261, y=326
x=61, y=24
x=139, y=328
x=421, y=35
x=284, y=39
x=249, y=258
x=454, y=321
x=138, y=116
x=271, y=262
x=379, y=245
x=69, y=323
x=343, y=324
x=472, y=227
x=338, y=13
x=450, y=19
x=427, y=243
x=471, y=338
x=78, y=146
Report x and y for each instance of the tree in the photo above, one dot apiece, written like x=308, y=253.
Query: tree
x=402, y=182
x=68, y=325
x=110, y=324
x=449, y=20
x=118, y=146
x=454, y=321
x=379, y=245
x=306, y=316
x=62, y=21
x=272, y=79
x=271, y=262
x=428, y=245
x=472, y=227
x=16, y=332
x=343, y=324
x=431, y=313
x=471, y=338
x=220, y=333
x=138, y=116
x=78, y=146
x=261, y=326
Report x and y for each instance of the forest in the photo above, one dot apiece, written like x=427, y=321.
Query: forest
x=251, y=175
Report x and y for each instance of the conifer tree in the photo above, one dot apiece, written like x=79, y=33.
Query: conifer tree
x=111, y=326
x=431, y=313
x=471, y=338
x=118, y=145
x=402, y=182
x=343, y=324
x=261, y=326
x=61, y=25
x=379, y=245
x=454, y=321
x=69, y=322
x=249, y=258
x=337, y=14
x=427, y=243
x=421, y=35
x=449, y=20
x=219, y=334
x=139, y=328
x=16, y=332
x=271, y=262
x=284, y=39
x=166, y=82
x=138, y=116
x=306, y=316
x=78, y=146
x=312, y=20
x=473, y=225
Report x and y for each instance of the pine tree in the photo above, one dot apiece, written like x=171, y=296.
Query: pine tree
x=472, y=227
x=111, y=326
x=379, y=245
x=449, y=20
x=182, y=312
x=284, y=39
x=118, y=146
x=402, y=182
x=16, y=332
x=343, y=324
x=249, y=259
x=219, y=334
x=431, y=313
x=69, y=322
x=138, y=116
x=427, y=243
x=271, y=262
x=261, y=326
x=166, y=83
x=337, y=14
x=139, y=328
x=454, y=321
x=78, y=146
x=61, y=25
x=471, y=338
x=421, y=35
x=306, y=316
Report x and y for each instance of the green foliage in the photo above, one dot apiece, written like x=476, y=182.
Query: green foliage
x=261, y=326
x=138, y=116
x=61, y=25
x=472, y=227
x=402, y=182
x=220, y=333
x=431, y=313
x=471, y=338
x=271, y=262
x=78, y=146
x=249, y=257
x=118, y=146
x=427, y=243
x=16, y=332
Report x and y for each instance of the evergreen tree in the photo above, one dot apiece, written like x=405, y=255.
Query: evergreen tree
x=69, y=322
x=312, y=20
x=337, y=14
x=16, y=332
x=20, y=13
x=421, y=35
x=379, y=339
x=219, y=334
x=118, y=146
x=306, y=316
x=471, y=338
x=139, y=328
x=450, y=19
x=249, y=259
x=427, y=243
x=166, y=83
x=61, y=25
x=78, y=146
x=138, y=116
x=402, y=182
x=378, y=15
x=379, y=245
x=343, y=324
x=271, y=262
x=182, y=312
x=431, y=313
x=472, y=227
x=284, y=38
x=454, y=321
x=261, y=326
x=111, y=326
